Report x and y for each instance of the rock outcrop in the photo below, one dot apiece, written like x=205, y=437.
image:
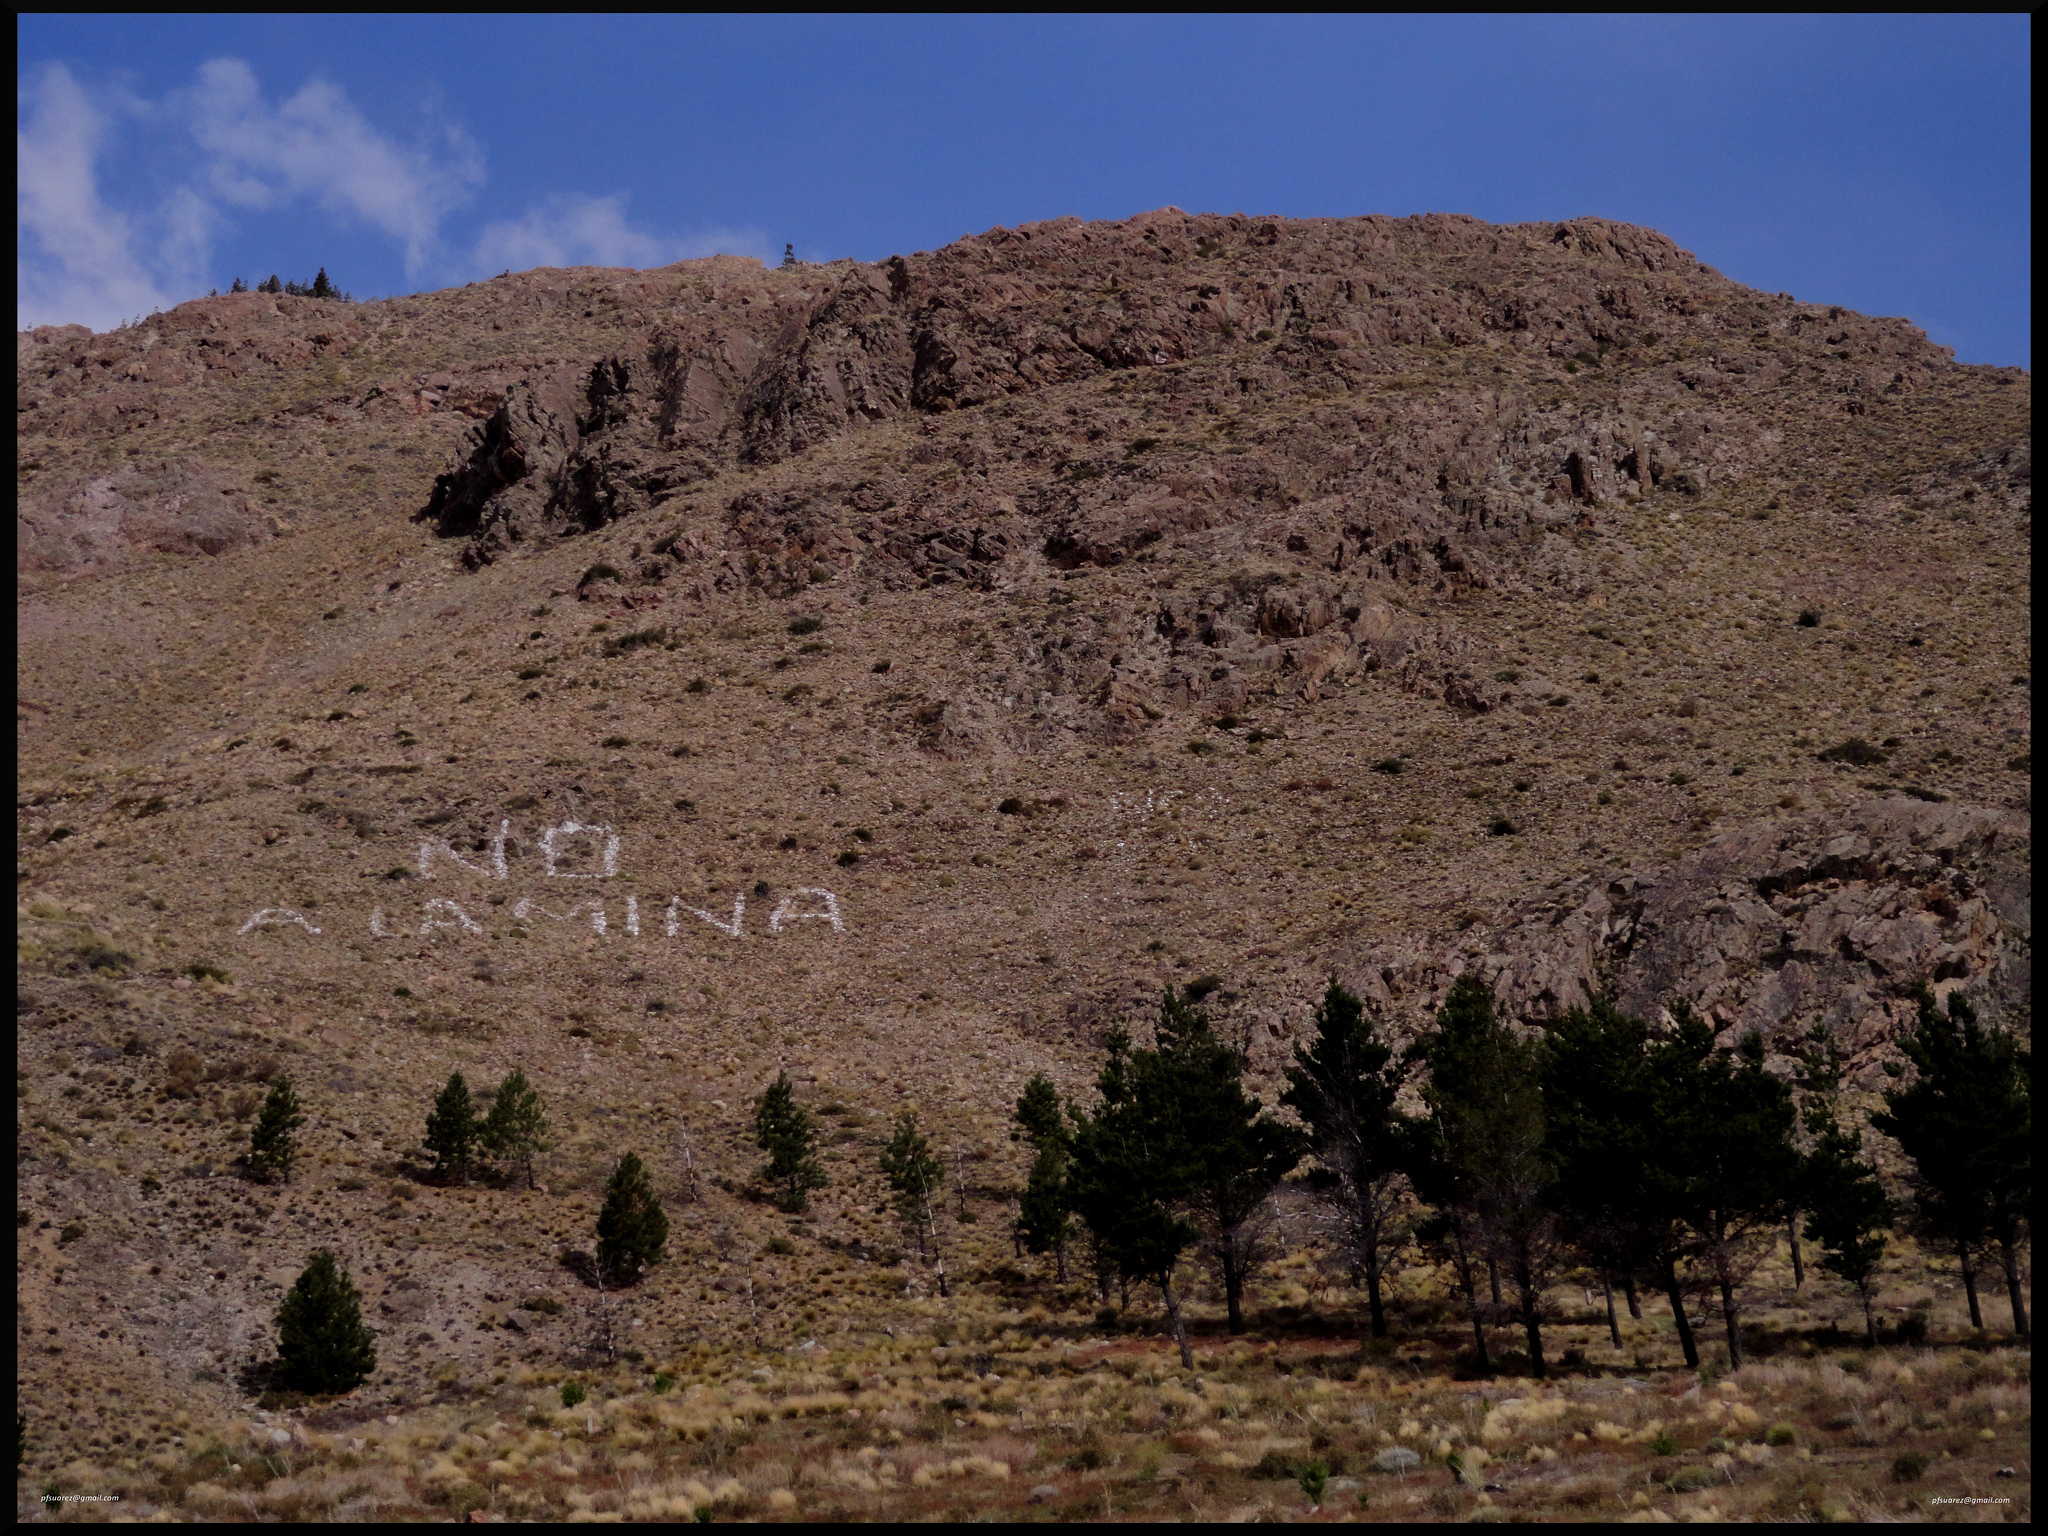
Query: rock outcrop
x=1828, y=920
x=177, y=506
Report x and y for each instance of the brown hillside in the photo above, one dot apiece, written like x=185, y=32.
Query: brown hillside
x=897, y=673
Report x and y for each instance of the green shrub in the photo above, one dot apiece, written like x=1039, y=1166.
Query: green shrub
x=1663, y=1445
x=1691, y=1479
x=1908, y=1466
x=1314, y=1478
x=809, y=624
x=1781, y=1434
x=572, y=1393
x=598, y=572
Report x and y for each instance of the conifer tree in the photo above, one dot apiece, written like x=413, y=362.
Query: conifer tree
x=1038, y=1113
x=452, y=1130
x=1966, y=1120
x=271, y=284
x=1723, y=1160
x=274, y=1142
x=1238, y=1152
x=239, y=287
x=322, y=288
x=1480, y=1158
x=914, y=1173
x=517, y=1126
x=1343, y=1084
x=632, y=1229
x=1599, y=1130
x=1176, y=1137
x=1044, y=1210
x=782, y=1128
x=1847, y=1214
x=322, y=1345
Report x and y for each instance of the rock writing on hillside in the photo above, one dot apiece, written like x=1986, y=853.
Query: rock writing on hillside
x=442, y=915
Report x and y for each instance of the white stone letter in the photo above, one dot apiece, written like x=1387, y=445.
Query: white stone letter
x=447, y=851
x=549, y=851
x=786, y=912
x=275, y=915
x=731, y=929
x=451, y=916
x=596, y=913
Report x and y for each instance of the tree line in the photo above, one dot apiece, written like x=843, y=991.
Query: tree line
x=319, y=288
x=1652, y=1158
x=1648, y=1157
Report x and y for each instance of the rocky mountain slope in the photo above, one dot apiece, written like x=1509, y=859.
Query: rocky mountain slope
x=897, y=672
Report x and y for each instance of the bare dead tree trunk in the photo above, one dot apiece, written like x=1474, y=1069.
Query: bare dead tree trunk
x=1970, y=1284
x=938, y=1259
x=1468, y=1277
x=1233, y=1287
x=689, y=1163
x=1179, y=1323
x=2009, y=1255
x=1529, y=1301
x=1684, y=1324
x=1734, y=1327
x=1613, y=1323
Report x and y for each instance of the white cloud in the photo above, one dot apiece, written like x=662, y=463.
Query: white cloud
x=75, y=258
x=575, y=231
x=83, y=254
x=318, y=145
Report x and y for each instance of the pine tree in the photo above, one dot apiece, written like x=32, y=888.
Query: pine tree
x=1238, y=1153
x=516, y=1128
x=323, y=289
x=271, y=284
x=1038, y=1113
x=1723, y=1161
x=1480, y=1158
x=238, y=286
x=782, y=1128
x=1130, y=1177
x=632, y=1229
x=1847, y=1214
x=1599, y=1130
x=322, y=1345
x=1966, y=1120
x=1044, y=1211
x=914, y=1173
x=1343, y=1084
x=1044, y=1221
x=274, y=1142
x=1176, y=1137
x=452, y=1130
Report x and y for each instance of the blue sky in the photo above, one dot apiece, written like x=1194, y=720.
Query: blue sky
x=1876, y=162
